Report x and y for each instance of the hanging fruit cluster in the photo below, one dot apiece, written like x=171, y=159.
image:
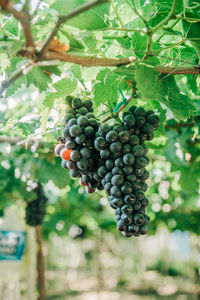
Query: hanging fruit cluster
x=35, y=210
x=110, y=157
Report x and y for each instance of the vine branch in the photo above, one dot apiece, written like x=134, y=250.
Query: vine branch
x=117, y=15
x=24, y=18
x=139, y=15
x=180, y=125
x=65, y=18
x=88, y=61
x=9, y=140
x=168, y=17
x=170, y=46
x=158, y=26
x=177, y=71
x=17, y=74
x=120, y=29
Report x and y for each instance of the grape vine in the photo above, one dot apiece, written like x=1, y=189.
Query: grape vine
x=110, y=157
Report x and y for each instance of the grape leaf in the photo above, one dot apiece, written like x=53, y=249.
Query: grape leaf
x=163, y=89
x=158, y=142
x=49, y=100
x=65, y=86
x=94, y=18
x=163, y=8
x=124, y=11
x=39, y=78
x=106, y=91
x=52, y=70
x=77, y=71
x=139, y=44
x=74, y=42
x=89, y=20
x=66, y=6
x=192, y=29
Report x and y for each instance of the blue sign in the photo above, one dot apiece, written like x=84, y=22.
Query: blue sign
x=12, y=245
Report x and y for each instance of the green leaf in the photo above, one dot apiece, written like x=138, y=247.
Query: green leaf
x=65, y=86
x=47, y=107
x=186, y=54
x=49, y=100
x=12, y=26
x=126, y=43
x=74, y=42
x=192, y=29
x=106, y=91
x=67, y=6
x=124, y=11
x=38, y=78
x=158, y=142
x=105, y=94
x=77, y=71
x=139, y=44
x=162, y=9
x=163, y=89
x=89, y=74
x=89, y=41
x=94, y=18
x=52, y=69
x=15, y=47
x=102, y=74
x=192, y=83
x=169, y=31
x=44, y=118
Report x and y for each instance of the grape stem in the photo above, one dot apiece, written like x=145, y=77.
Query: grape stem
x=168, y=17
x=158, y=26
x=176, y=126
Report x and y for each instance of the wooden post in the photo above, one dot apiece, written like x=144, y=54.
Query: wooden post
x=31, y=257
x=40, y=264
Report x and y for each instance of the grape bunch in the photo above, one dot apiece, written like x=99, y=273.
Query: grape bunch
x=35, y=210
x=122, y=171
x=77, y=143
x=111, y=157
